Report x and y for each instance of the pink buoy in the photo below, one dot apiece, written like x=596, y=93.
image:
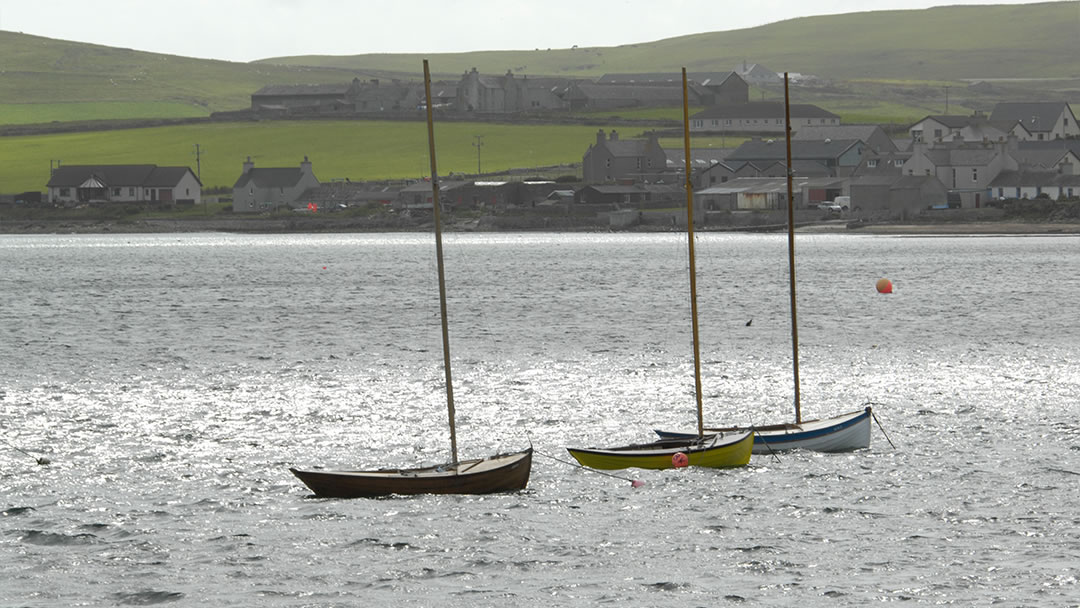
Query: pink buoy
x=884, y=286
x=679, y=460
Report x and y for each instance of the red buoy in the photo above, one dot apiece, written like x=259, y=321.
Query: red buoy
x=884, y=286
x=679, y=460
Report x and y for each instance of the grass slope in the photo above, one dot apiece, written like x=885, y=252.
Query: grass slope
x=943, y=44
x=356, y=150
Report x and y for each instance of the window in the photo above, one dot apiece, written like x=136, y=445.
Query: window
x=727, y=121
x=974, y=175
x=64, y=192
x=638, y=164
x=898, y=163
x=871, y=163
x=607, y=163
x=916, y=135
x=116, y=191
x=937, y=133
x=131, y=191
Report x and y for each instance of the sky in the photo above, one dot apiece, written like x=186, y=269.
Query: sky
x=245, y=30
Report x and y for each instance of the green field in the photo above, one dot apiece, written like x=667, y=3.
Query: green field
x=338, y=150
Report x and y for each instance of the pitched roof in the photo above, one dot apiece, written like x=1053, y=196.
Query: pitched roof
x=284, y=177
x=1032, y=178
x=1035, y=116
x=299, y=90
x=800, y=150
x=115, y=176
x=665, y=78
x=763, y=109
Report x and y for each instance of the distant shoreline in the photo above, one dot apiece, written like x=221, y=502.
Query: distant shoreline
x=292, y=226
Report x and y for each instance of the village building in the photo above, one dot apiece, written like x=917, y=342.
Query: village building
x=309, y=97
x=710, y=88
x=266, y=189
x=1044, y=120
x=759, y=117
x=977, y=127
x=611, y=159
x=836, y=158
x=508, y=94
x=77, y=184
x=872, y=135
x=757, y=74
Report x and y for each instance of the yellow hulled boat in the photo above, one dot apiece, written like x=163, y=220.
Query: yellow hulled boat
x=713, y=451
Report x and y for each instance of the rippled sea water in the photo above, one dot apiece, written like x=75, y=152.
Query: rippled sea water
x=171, y=380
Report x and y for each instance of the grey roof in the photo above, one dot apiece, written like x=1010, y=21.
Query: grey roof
x=822, y=132
x=1034, y=178
x=800, y=150
x=73, y=176
x=665, y=78
x=298, y=90
x=763, y=109
x=285, y=177
x=699, y=157
x=1040, y=157
x=1035, y=116
x=616, y=189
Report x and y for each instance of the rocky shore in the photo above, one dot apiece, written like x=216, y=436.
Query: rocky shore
x=326, y=225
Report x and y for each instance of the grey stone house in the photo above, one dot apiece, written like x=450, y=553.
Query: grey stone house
x=611, y=159
x=509, y=94
x=75, y=184
x=258, y=190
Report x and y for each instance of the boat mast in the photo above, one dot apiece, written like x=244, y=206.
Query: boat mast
x=439, y=257
x=690, y=241
x=791, y=252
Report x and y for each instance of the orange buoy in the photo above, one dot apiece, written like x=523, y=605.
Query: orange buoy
x=884, y=286
x=679, y=460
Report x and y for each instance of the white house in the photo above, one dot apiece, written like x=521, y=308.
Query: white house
x=73, y=184
x=265, y=189
x=1045, y=120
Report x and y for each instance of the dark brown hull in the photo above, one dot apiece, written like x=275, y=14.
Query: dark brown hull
x=500, y=473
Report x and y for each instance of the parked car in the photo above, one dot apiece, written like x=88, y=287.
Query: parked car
x=831, y=206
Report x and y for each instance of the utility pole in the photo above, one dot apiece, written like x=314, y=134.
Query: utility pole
x=198, y=161
x=479, y=143
x=946, y=101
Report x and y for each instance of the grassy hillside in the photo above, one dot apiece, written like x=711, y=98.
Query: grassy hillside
x=42, y=80
x=944, y=43
x=356, y=150
x=35, y=70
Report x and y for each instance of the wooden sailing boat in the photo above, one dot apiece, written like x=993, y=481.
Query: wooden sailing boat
x=846, y=432
x=499, y=473
x=715, y=450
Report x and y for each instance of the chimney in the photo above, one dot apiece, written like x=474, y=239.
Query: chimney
x=600, y=137
x=305, y=167
x=248, y=165
x=614, y=135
